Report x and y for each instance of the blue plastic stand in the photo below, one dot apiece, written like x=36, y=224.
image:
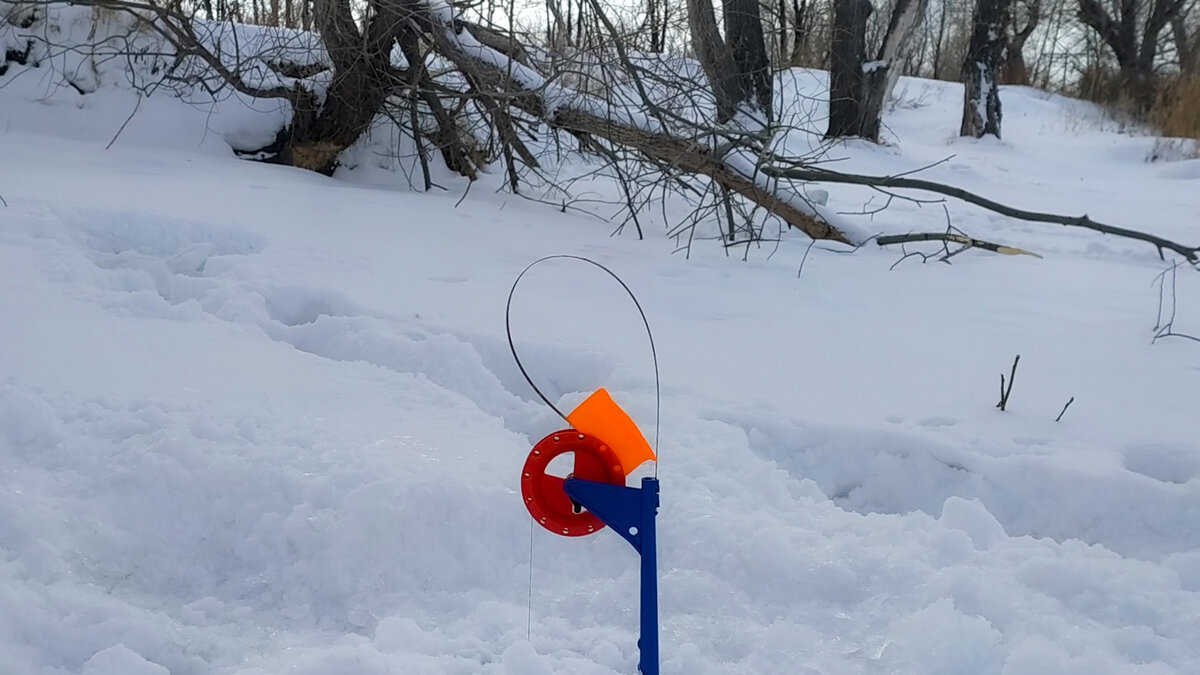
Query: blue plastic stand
x=631, y=513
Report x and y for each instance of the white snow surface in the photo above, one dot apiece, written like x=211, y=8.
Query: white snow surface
x=257, y=421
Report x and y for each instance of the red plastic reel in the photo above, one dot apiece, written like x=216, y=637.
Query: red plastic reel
x=545, y=495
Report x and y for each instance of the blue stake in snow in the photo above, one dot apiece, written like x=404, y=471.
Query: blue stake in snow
x=595, y=495
x=631, y=512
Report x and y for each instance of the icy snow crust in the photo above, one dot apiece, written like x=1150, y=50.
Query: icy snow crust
x=256, y=421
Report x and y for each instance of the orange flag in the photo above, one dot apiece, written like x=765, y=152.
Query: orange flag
x=601, y=417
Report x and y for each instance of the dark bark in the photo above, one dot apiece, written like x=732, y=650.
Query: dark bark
x=657, y=15
x=1187, y=47
x=858, y=89
x=1015, y=71
x=714, y=57
x=875, y=86
x=744, y=30
x=363, y=78
x=981, y=69
x=801, y=18
x=662, y=27
x=738, y=71
x=783, y=31
x=847, y=81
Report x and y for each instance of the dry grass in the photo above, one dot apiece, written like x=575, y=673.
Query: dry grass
x=1176, y=109
x=1107, y=86
x=1173, y=111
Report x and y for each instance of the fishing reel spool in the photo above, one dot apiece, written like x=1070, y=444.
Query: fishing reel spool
x=545, y=495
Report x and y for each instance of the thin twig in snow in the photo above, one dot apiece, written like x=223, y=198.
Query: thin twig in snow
x=1064, y=410
x=136, y=105
x=1004, y=393
x=1167, y=329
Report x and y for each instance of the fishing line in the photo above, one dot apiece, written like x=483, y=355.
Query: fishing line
x=645, y=322
x=529, y=615
x=524, y=373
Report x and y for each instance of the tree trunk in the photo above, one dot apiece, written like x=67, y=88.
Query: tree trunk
x=1015, y=71
x=981, y=68
x=714, y=58
x=897, y=44
x=783, y=33
x=881, y=75
x=560, y=28
x=362, y=80
x=738, y=72
x=744, y=30
x=1187, y=48
x=847, y=79
x=1162, y=12
x=663, y=25
x=652, y=21
x=801, y=10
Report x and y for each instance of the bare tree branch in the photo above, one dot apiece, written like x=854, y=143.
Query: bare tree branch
x=177, y=29
x=1166, y=328
x=967, y=242
x=1005, y=393
x=809, y=173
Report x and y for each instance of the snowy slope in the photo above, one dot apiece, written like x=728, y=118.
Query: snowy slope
x=253, y=420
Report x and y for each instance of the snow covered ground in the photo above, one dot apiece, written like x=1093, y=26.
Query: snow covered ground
x=254, y=420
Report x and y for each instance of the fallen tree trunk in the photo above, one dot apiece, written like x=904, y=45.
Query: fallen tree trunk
x=691, y=158
x=577, y=113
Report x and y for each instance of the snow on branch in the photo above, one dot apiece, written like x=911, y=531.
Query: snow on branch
x=735, y=166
